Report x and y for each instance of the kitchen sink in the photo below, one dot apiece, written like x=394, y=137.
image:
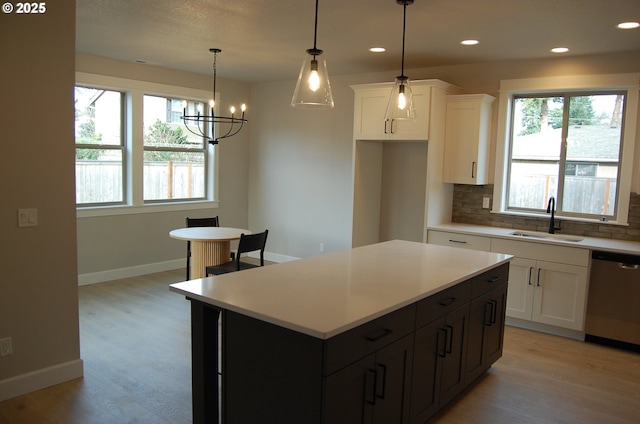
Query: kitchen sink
x=546, y=236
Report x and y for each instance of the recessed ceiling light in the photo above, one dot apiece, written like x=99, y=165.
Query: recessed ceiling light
x=559, y=50
x=628, y=25
x=377, y=49
x=469, y=42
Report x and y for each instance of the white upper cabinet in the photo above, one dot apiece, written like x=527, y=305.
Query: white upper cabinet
x=467, y=132
x=371, y=105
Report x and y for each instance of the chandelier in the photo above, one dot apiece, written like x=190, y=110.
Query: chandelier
x=204, y=125
x=401, y=101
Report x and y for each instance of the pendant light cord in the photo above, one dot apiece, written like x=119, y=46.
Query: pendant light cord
x=315, y=27
x=404, y=26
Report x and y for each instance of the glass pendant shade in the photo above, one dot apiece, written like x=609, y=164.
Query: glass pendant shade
x=400, y=105
x=313, y=90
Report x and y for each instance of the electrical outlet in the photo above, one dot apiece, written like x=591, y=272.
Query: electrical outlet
x=321, y=247
x=486, y=202
x=6, y=347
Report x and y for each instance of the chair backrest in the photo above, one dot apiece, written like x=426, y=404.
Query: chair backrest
x=203, y=222
x=251, y=243
x=198, y=222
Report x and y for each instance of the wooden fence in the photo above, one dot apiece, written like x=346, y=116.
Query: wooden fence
x=102, y=182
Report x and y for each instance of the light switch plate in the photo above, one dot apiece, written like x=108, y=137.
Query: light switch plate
x=27, y=217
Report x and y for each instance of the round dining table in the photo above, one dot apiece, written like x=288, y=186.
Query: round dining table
x=209, y=245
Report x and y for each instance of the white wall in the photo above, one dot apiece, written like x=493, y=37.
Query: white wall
x=301, y=161
x=115, y=246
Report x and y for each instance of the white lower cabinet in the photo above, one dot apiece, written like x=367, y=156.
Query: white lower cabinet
x=547, y=283
x=545, y=291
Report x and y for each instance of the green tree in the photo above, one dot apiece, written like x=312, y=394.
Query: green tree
x=161, y=134
x=88, y=136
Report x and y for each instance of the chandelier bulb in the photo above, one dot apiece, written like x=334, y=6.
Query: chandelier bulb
x=243, y=107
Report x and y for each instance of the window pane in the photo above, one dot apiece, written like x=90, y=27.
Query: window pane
x=98, y=116
x=99, y=177
x=593, y=147
x=163, y=126
x=174, y=175
x=535, y=151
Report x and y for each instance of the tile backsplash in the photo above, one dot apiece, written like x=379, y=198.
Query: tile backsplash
x=467, y=208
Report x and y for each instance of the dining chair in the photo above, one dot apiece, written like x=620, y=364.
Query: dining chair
x=248, y=243
x=198, y=222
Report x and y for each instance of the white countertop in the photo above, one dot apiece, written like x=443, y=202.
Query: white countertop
x=591, y=243
x=325, y=295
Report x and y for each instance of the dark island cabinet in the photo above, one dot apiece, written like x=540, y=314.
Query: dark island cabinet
x=402, y=367
x=439, y=354
x=373, y=389
x=486, y=321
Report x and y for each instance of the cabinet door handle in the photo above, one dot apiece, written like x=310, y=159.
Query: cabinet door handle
x=392, y=121
x=380, y=388
x=494, y=311
x=450, y=344
x=538, y=280
x=377, y=336
x=473, y=169
x=442, y=352
x=530, y=271
x=370, y=388
x=494, y=279
x=385, y=126
x=448, y=301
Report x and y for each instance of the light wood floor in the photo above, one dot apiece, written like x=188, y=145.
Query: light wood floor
x=136, y=350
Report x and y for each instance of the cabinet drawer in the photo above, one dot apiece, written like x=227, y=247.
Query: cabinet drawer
x=542, y=251
x=489, y=280
x=354, y=344
x=464, y=241
x=441, y=303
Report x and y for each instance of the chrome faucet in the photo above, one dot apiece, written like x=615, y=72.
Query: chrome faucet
x=551, y=207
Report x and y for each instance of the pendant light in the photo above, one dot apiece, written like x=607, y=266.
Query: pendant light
x=313, y=90
x=400, y=105
x=204, y=125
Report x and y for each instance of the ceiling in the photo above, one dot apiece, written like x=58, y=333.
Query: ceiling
x=265, y=40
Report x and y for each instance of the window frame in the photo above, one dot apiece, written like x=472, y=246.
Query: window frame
x=627, y=83
x=134, y=150
x=120, y=147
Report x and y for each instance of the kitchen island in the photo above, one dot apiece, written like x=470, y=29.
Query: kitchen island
x=387, y=333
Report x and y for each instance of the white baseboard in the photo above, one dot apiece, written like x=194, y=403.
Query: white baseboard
x=134, y=271
x=544, y=328
x=40, y=379
x=275, y=257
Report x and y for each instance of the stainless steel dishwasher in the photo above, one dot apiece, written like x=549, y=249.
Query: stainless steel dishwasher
x=613, y=308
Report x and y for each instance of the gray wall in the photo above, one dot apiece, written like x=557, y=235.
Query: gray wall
x=38, y=273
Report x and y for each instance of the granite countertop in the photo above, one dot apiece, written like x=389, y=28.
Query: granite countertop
x=325, y=295
x=591, y=243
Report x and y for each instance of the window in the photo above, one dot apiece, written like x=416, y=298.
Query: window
x=571, y=137
x=133, y=152
x=100, y=148
x=174, y=158
x=566, y=146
